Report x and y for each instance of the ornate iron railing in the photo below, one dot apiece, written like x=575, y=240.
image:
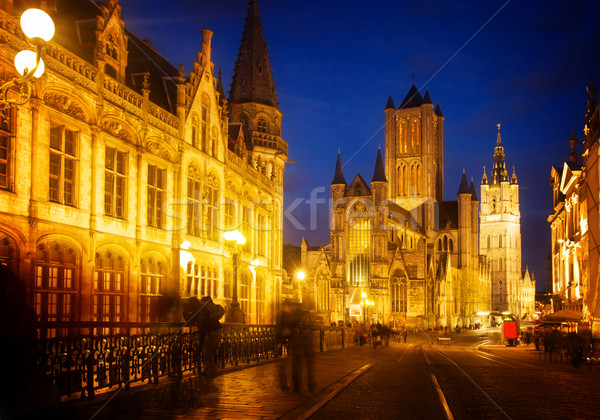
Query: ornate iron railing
x=87, y=364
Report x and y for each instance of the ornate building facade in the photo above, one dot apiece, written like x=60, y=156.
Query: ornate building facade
x=399, y=254
x=120, y=175
x=500, y=238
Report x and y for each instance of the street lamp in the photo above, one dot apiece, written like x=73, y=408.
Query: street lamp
x=365, y=303
x=38, y=27
x=235, y=313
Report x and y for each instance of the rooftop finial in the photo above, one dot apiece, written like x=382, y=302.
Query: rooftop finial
x=498, y=140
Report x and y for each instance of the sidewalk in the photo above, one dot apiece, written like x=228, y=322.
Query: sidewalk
x=251, y=392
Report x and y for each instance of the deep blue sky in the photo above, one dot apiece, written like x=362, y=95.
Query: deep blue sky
x=335, y=63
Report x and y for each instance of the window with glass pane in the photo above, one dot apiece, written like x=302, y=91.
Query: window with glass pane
x=115, y=182
x=211, y=197
x=152, y=275
x=62, y=164
x=55, y=294
x=359, y=247
x=6, y=158
x=156, y=196
x=194, y=196
x=109, y=287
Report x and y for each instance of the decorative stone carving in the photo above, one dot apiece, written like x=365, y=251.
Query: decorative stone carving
x=159, y=150
x=117, y=129
x=65, y=105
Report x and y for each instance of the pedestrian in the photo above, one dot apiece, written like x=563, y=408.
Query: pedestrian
x=376, y=335
x=385, y=334
x=302, y=355
x=288, y=323
x=404, y=334
x=211, y=329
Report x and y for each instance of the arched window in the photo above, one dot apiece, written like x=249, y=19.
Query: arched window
x=500, y=241
x=418, y=186
x=440, y=245
x=489, y=242
x=415, y=136
x=445, y=243
x=109, y=288
x=262, y=125
x=55, y=288
x=152, y=274
x=403, y=136
x=451, y=245
x=413, y=179
x=399, y=295
x=500, y=264
x=8, y=252
x=194, y=210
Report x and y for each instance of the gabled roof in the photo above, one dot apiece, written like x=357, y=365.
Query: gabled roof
x=358, y=187
x=413, y=99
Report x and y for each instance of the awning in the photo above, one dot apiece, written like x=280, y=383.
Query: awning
x=565, y=315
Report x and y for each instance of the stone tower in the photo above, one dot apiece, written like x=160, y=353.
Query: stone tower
x=414, y=155
x=253, y=100
x=500, y=232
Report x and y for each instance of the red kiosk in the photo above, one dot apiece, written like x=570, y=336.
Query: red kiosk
x=510, y=329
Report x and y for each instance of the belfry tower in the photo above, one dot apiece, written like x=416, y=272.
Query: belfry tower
x=414, y=155
x=500, y=232
x=253, y=100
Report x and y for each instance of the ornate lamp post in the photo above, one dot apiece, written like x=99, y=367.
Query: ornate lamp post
x=235, y=313
x=365, y=303
x=39, y=29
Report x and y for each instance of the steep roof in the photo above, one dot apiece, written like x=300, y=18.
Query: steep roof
x=379, y=172
x=464, y=185
x=438, y=110
x=338, y=177
x=252, y=76
x=413, y=98
x=390, y=103
x=473, y=192
x=427, y=98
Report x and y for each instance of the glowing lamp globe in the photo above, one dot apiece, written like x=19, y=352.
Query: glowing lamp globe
x=36, y=23
x=25, y=62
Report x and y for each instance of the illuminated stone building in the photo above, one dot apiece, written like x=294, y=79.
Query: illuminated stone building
x=500, y=238
x=119, y=176
x=399, y=254
x=569, y=227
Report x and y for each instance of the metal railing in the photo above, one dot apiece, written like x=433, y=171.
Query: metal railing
x=90, y=363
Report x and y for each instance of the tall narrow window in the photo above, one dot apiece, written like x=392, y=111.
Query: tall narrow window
x=244, y=293
x=55, y=288
x=204, y=128
x=156, y=196
x=262, y=125
x=399, y=295
x=210, y=200
x=359, y=247
x=115, y=182
x=6, y=158
x=415, y=136
x=500, y=241
x=62, y=165
x=194, y=195
x=418, y=179
x=109, y=289
x=213, y=143
x=260, y=300
x=152, y=276
x=403, y=137
x=195, y=131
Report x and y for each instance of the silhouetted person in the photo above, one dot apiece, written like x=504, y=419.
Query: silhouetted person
x=18, y=346
x=288, y=323
x=302, y=355
x=211, y=329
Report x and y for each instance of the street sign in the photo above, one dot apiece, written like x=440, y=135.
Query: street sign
x=355, y=309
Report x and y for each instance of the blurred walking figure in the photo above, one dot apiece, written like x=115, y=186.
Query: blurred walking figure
x=288, y=323
x=404, y=334
x=302, y=355
x=211, y=329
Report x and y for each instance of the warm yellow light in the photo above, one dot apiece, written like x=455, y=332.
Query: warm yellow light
x=25, y=62
x=36, y=23
x=300, y=275
x=481, y=313
x=235, y=235
x=255, y=262
x=185, y=245
x=363, y=294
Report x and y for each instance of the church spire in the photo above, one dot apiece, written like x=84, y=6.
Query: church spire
x=499, y=173
x=338, y=177
x=379, y=173
x=252, y=76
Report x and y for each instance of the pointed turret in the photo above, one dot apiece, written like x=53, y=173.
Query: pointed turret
x=379, y=173
x=438, y=110
x=464, y=185
x=338, y=177
x=252, y=76
x=220, y=89
x=499, y=173
x=513, y=179
x=390, y=103
x=473, y=192
x=427, y=98
x=413, y=98
x=484, y=180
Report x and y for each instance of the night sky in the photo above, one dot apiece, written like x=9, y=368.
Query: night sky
x=522, y=64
